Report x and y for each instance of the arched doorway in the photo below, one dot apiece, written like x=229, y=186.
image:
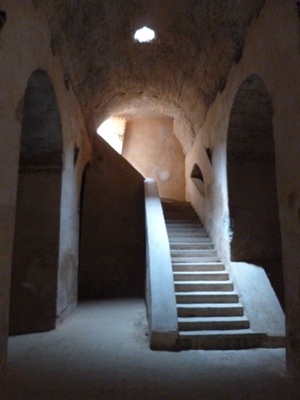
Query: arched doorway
x=252, y=187
x=36, y=238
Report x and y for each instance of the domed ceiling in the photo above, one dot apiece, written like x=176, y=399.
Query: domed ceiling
x=178, y=74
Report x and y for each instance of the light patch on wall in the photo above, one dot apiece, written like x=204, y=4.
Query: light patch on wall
x=144, y=35
x=112, y=131
x=163, y=175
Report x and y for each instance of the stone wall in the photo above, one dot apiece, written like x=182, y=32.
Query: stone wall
x=252, y=186
x=112, y=239
x=272, y=52
x=35, y=252
x=151, y=147
x=24, y=48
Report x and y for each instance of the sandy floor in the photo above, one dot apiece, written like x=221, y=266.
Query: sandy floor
x=101, y=352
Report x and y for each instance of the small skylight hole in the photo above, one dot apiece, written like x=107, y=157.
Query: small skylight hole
x=144, y=35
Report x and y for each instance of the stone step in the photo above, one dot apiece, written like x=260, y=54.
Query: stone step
x=207, y=286
x=210, y=310
x=220, y=340
x=188, y=214
x=186, y=208
x=189, y=240
x=201, y=276
x=192, y=246
x=185, y=229
x=206, y=297
x=171, y=215
x=190, y=260
x=213, y=323
x=176, y=205
x=193, y=253
x=183, y=224
x=194, y=223
x=198, y=266
x=187, y=235
x=177, y=233
x=209, y=313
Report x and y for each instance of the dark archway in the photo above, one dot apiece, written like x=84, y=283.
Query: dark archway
x=36, y=238
x=252, y=189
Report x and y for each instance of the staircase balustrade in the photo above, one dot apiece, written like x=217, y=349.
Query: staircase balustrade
x=160, y=292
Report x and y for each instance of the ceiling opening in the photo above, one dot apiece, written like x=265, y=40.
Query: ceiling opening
x=144, y=34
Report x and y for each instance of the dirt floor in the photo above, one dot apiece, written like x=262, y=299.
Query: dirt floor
x=102, y=352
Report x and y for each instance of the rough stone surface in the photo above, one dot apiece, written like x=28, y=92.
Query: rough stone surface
x=112, y=240
x=250, y=130
x=261, y=304
x=180, y=72
x=36, y=237
x=272, y=52
x=25, y=47
x=35, y=252
x=151, y=147
x=251, y=180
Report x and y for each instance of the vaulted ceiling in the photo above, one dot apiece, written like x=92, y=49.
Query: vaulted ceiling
x=179, y=74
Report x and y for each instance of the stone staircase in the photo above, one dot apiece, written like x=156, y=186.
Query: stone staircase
x=210, y=315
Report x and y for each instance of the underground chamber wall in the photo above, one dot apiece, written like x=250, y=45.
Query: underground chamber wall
x=36, y=237
x=252, y=187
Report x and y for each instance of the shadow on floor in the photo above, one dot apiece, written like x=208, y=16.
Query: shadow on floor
x=101, y=352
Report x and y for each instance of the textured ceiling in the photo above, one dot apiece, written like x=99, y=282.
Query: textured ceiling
x=179, y=74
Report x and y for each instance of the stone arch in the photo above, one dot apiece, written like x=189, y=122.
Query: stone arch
x=252, y=187
x=150, y=104
x=36, y=237
x=154, y=126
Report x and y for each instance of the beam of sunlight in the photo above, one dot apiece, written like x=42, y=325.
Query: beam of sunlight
x=112, y=130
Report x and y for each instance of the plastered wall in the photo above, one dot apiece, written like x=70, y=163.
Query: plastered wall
x=252, y=186
x=35, y=252
x=24, y=48
x=271, y=51
x=151, y=147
